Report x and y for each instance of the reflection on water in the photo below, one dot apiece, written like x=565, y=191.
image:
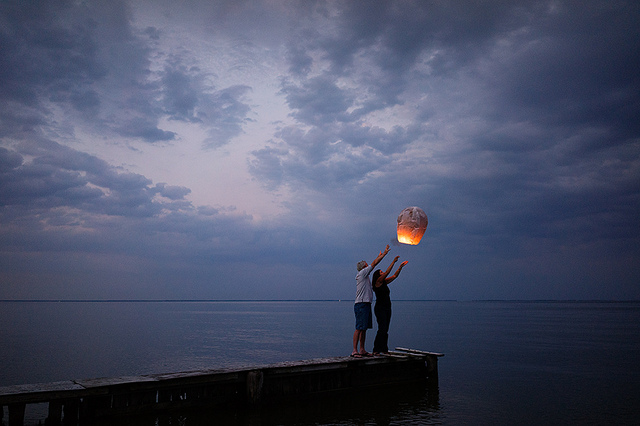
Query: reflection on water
x=407, y=404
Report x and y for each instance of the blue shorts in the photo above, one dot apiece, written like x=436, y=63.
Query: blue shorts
x=363, y=315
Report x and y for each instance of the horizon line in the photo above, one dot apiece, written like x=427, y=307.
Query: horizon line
x=318, y=300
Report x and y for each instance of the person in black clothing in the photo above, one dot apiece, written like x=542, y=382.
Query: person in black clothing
x=382, y=309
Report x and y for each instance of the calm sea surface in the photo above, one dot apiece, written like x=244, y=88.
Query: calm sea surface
x=505, y=363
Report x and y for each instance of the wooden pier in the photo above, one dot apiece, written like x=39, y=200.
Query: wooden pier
x=81, y=401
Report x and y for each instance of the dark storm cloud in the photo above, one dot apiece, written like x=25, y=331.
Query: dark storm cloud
x=323, y=158
x=225, y=114
x=299, y=60
x=9, y=160
x=40, y=59
x=319, y=100
x=39, y=52
x=186, y=96
x=172, y=192
x=62, y=53
x=152, y=32
x=394, y=37
x=574, y=66
x=180, y=96
x=89, y=61
x=59, y=176
x=541, y=79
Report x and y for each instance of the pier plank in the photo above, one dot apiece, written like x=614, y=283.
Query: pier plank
x=38, y=392
x=416, y=351
x=112, y=381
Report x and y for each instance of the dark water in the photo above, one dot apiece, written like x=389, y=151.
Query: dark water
x=505, y=363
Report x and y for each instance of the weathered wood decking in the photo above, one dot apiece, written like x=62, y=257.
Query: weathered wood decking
x=79, y=401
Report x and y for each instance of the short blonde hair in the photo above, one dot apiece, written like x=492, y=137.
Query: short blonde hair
x=361, y=265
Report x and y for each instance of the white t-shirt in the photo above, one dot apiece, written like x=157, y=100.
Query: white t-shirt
x=364, y=292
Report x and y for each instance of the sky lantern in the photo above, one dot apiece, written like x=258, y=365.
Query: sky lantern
x=412, y=223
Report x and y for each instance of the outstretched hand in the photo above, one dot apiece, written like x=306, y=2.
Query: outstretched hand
x=404, y=263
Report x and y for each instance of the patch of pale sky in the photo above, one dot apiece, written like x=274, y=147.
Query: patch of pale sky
x=216, y=177
x=398, y=115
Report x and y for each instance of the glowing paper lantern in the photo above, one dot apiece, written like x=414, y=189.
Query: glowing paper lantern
x=412, y=223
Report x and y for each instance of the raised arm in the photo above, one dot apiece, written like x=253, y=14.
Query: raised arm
x=393, y=262
x=380, y=257
x=394, y=276
x=383, y=275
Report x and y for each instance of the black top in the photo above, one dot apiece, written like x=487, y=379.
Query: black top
x=382, y=294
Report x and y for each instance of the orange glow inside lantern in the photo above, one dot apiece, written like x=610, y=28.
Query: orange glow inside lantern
x=412, y=222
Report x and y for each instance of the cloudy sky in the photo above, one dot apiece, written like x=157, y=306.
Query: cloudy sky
x=156, y=149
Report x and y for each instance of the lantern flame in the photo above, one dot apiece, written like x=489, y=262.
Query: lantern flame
x=412, y=223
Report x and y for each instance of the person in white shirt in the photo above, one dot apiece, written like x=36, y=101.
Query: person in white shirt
x=362, y=307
